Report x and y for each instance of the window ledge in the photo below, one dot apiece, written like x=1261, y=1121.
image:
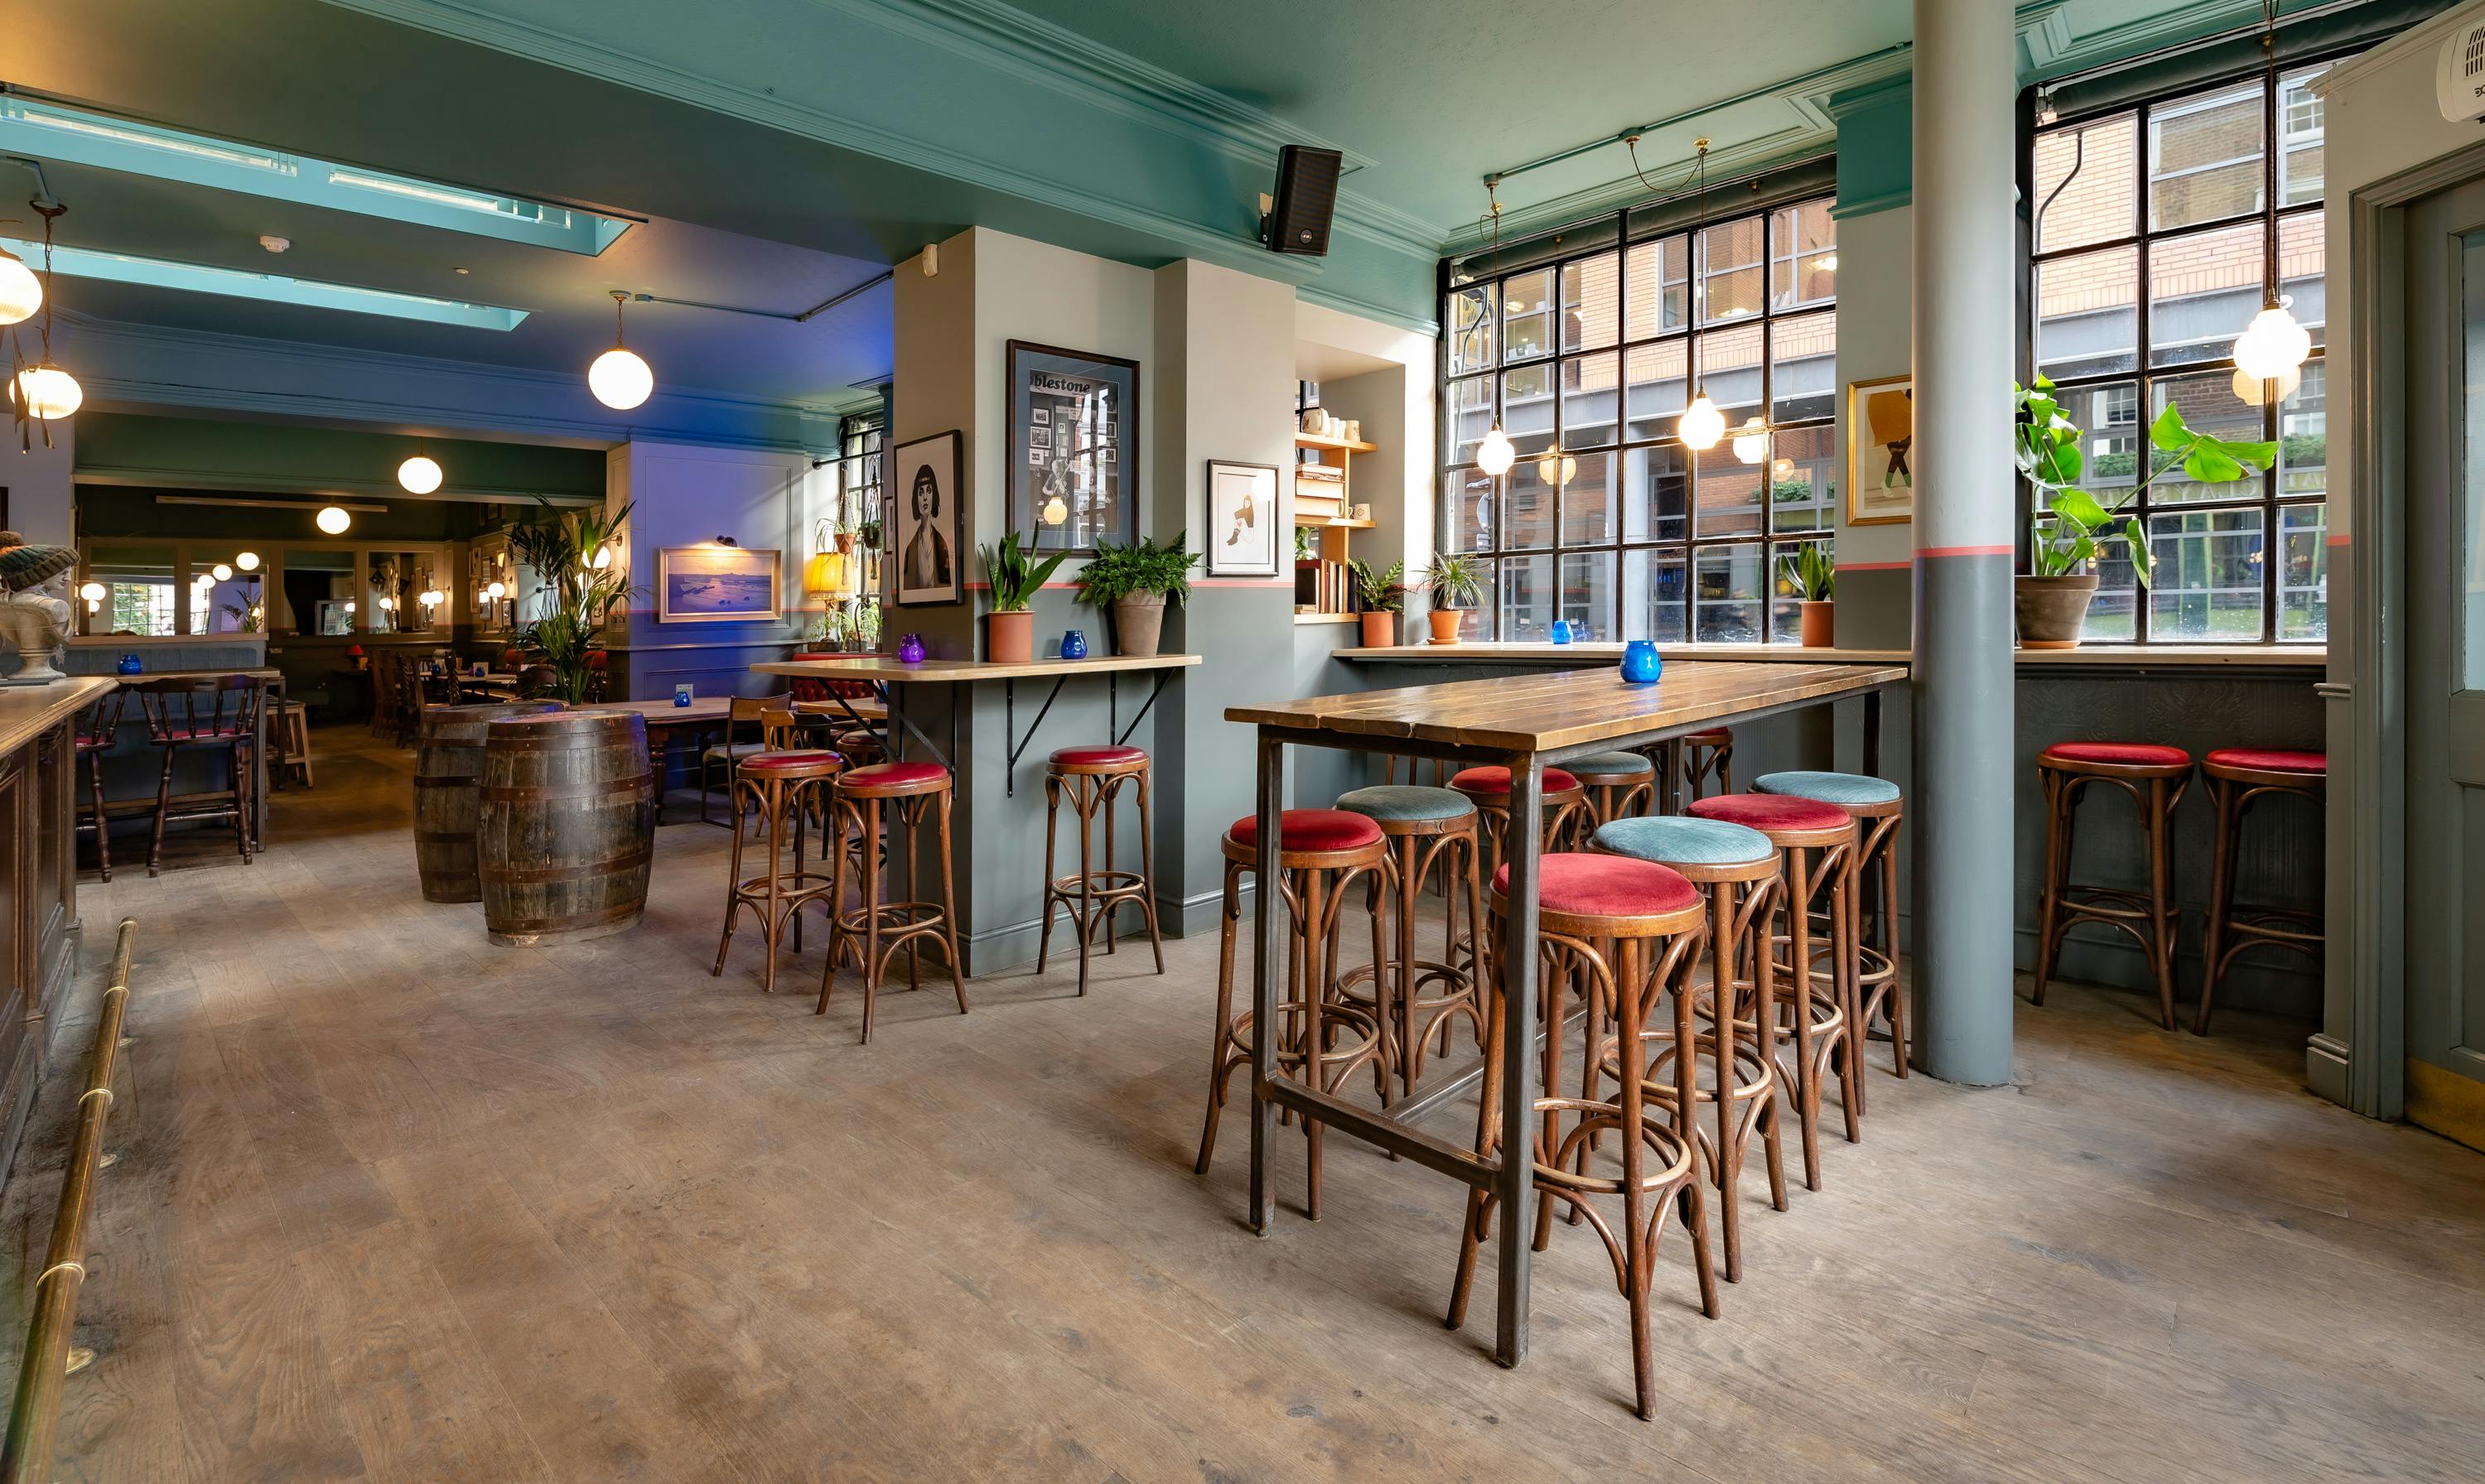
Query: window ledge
x=2131, y=657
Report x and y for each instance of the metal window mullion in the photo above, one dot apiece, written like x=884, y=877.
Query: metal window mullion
x=2141, y=294
x=2270, y=288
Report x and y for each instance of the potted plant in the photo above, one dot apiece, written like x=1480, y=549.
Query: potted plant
x=2052, y=599
x=1813, y=576
x=1134, y=584
x=577, y=595
x=1009, y=629
x=1382, y=595
x=1457, y=584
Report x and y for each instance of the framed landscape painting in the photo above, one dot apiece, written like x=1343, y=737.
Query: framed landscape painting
x=1880, y=431
x=716, y=584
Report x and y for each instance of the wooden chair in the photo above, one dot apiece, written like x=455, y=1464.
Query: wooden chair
x=746, y=735
x=216, y=714
x=96, y=731
x=289, y=738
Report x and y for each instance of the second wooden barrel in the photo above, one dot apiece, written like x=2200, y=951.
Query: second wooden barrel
x=448, y=771
x=566, y=827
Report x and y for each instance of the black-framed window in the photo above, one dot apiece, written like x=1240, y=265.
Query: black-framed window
x=2156, y=225
x=860, y=436
x=1607, y=520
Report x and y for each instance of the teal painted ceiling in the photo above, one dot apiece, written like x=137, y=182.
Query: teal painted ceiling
x=780, y=149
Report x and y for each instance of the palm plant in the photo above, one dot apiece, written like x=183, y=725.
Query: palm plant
x=1455, y=580
x=572, y=554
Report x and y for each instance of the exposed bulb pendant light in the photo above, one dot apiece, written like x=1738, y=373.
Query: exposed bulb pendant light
x=332, y=520
x=619, y=378
x=21, y=293
x=419, y=474
x=1496, y=454
x=39, y=393
x=2271, y=349
x=247, y=561
x=1752, y=441
x=1702, y=424
x=1556, y=467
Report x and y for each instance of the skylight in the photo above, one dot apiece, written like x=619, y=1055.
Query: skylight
x=271, y=288
x=54, y=132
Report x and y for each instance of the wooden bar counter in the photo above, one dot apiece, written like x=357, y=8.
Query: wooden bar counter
x=38, y=878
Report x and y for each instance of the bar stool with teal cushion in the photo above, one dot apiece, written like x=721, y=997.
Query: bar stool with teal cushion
x=1426, y=828
x=1618, y=785
x=1877, y=807
x=1736, y=868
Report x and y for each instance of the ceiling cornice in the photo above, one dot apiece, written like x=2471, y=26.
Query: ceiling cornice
x=2051, y=45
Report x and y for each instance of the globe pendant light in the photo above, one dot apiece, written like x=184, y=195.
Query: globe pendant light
x=21, y=293
x=247, y=561
x=46, y=391
x=332, y=520
x=1752, y=441
x=2273, y=345
x=1496, y=454
x=1556, y=467
x=419, y=474
x=223, y=571
x=619, y=378
x=1702, y=424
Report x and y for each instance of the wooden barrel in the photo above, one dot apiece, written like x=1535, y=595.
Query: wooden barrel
x=567, y=825
x=448, y=771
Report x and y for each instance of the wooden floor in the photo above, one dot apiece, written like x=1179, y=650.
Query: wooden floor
x=393, y=1203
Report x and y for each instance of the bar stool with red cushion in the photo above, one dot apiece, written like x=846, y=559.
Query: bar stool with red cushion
x=2237, y=778
x=1631, y=932
x=96, y=731
x=1736, y=869
x=1427, y=828
x=781, y=787
x=1693, y=759
x=1320, y=854
x=2155, y=777
x=1879, y=809
x=1564, y=802
x=898, y=796
x=1816, y=844
x=1093, y=778
x=215, y=713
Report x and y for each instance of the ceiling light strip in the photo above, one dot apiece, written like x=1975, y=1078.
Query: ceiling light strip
x=271, y=288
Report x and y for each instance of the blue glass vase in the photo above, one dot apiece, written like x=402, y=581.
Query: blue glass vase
x=1561, y=631
x=1074, y=646
x=909, y=649
x=131, y=665
x=1641, y=662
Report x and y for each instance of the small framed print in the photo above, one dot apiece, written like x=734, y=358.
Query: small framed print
x=926, y=490
x=1880, y=435
x=1242, y=522
x=716, y=584
x=1074, y=434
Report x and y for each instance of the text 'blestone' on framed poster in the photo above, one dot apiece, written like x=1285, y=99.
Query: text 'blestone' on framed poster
x=1074, y=447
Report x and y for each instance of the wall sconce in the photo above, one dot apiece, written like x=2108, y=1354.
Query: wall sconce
x=726, y=541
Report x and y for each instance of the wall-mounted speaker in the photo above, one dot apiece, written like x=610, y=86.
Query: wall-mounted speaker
x=1297, y=222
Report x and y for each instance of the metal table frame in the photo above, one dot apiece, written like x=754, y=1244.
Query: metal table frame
x=1511, y=1176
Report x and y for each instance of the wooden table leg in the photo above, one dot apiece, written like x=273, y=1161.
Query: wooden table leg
x=1268, y=915
x=1522, y=846
x=1873, y=733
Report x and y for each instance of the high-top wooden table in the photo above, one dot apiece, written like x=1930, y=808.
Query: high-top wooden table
x=1525, y=723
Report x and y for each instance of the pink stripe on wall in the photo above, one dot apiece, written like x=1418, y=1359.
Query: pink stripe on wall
x=1874, y=566
x=2337, y=539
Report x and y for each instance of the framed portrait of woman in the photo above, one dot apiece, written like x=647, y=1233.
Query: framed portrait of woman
x=924, y=491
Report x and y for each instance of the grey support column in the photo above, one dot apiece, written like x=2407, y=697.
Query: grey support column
x=1965, y=78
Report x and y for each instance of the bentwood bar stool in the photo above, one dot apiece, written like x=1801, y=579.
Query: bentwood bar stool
x=2155, y=777
x=1427, y=828
x=1564, y=800
x=218, y=714
x=1879, y=809
x=1694, y=760
x=865, y=801
x=1618, y=785
x=1629, y=932
x=1815, y=845
x=1736, y=869
x=1321, y=1039
x=782, y=788
x=2237, y=778
x=1092, y=779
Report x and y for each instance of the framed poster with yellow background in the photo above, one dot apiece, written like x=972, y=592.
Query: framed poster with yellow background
x=1880, y=437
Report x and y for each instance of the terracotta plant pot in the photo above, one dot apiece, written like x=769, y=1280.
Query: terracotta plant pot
x=1820, y=625
x=2052, y=609
x=1009, y=638
x=1138, y=623
x=1446, y=623
x=1380, y=630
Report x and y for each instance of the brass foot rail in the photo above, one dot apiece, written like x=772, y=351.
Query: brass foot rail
x=27, y=1457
